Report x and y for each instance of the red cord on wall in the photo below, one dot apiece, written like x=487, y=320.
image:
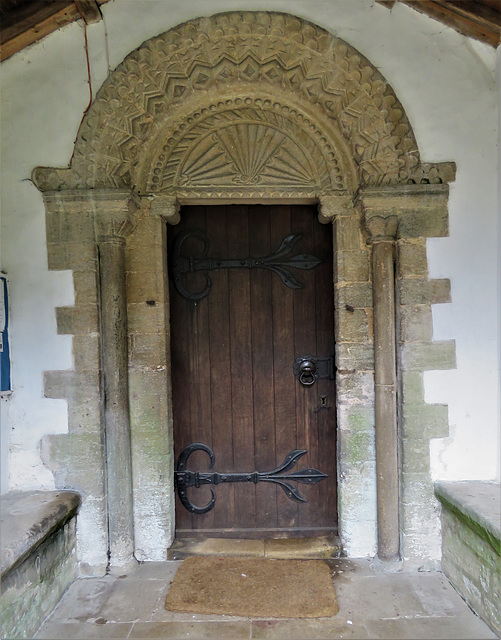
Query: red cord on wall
x=88, y=75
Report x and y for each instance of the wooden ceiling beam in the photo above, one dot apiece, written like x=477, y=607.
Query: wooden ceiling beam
x=473, y=18
x=29, y=26
x=89, y=10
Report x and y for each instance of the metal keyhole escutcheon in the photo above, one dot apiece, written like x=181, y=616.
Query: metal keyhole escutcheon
x=307, y=370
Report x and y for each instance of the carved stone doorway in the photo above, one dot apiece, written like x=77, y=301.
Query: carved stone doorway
x=159, y=135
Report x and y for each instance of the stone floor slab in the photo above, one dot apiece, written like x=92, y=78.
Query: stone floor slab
x=192, y=630
x=318, y=629
x=156, y=571
x=459, y=628
x=373, y=604
x=76, y=631
x=378, y=597
x=132, y=600
x=83, y=600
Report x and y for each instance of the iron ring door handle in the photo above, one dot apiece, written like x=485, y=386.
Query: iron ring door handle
x=307, y=378
x=307, y=370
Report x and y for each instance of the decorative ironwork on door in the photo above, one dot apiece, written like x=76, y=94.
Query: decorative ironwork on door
x=185, y=479
x=279, y=262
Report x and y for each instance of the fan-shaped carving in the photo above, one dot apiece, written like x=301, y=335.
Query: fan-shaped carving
x=247, y=154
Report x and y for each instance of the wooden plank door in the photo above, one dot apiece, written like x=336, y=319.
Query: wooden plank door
x=232, y=369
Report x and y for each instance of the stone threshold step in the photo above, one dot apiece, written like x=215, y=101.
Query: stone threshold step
x=281, y=548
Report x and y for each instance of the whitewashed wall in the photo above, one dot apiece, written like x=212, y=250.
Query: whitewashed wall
x=447, y=84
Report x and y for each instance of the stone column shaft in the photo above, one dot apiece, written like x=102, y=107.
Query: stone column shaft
x=385, y=399
x=113, y=223
x=116, y=399
x=382, y=229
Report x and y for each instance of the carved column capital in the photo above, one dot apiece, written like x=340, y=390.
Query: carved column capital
x=167, y=208
x=332, y=207
x=380, y=212
x=381, y=227
x=114, y=215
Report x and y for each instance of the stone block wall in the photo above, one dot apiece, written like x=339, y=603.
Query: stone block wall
x=77, y=458
x=355, y=384
x=471, y=545
x=417, y=352
x=38, y=557
x=149, y=387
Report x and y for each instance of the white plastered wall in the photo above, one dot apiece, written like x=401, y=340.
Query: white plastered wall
x=447, y=85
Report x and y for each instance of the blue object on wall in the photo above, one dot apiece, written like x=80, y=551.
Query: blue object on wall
x=5, y=383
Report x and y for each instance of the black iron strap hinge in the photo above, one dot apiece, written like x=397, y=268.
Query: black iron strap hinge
x=185, y=479
x=280, y=262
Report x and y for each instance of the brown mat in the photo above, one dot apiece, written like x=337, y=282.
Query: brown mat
x=253, y=587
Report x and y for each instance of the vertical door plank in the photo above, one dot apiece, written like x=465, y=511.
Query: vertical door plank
x=305, y=344
x=326, y=410
x=220, y=366
x=283, y=354
x=192, y=398
x=241, y=366
x=262, y=360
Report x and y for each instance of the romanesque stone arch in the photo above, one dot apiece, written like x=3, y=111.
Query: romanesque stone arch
x=285, y=69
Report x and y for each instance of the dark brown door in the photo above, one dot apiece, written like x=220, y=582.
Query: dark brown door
x=232, y=369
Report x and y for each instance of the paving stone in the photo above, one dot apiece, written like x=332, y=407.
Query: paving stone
x=430, y=628
x=83, y=600
x=75, y=631
x=157, y=570
x=373, y=604
x=132, y=600
x=194, y=630
x=376, y=597
x=311, y=629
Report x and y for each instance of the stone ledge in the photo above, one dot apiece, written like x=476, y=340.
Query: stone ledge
x=477, y=504
x=28, y=518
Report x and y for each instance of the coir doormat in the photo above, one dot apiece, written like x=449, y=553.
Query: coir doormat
x=253, y=588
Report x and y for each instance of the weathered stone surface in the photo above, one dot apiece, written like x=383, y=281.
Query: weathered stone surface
x=355, y=295
x=348, y=234
x=38, y=559
x=414, y=323
x=85, y=284
x=478, y=502
x=471, y=544
x=28, y=518
x=425, y=421
x=356, y=389
x=421, y=208
x=351, y=266
x=428, y=356
x=79, y=256
x=412, y=387
x=412, y=259
x=423, y=291
x=355, y=357
x=78, y=320
x=416, y=457
x=353, y=326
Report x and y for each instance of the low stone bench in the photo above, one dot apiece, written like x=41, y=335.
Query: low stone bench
x=38, y=556
x=471, y=544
